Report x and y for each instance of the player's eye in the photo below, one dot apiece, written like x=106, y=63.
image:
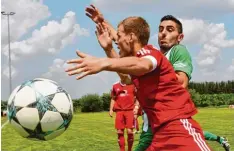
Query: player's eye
x=170, y=29
x=160, y=29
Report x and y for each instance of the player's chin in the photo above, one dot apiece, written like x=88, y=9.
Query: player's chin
x=164, y=46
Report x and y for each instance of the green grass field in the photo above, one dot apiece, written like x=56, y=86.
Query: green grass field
x=95, y=132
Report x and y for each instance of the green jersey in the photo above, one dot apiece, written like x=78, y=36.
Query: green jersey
x=180, y=59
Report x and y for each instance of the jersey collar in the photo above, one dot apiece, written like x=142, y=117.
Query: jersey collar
x=122, y=84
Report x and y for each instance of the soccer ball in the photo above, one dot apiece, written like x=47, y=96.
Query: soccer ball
x=39, y=109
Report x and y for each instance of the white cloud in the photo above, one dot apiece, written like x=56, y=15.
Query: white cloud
x=198, y=31
x=211, y=37
x=179, y=7
x=5, y=70
x=50, y=39
x=99, y=83
x=28, y=14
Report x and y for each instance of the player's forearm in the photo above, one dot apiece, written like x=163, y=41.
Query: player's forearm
x=127, y=65
x=183, y=79
x=137, y=103
x=112, y=104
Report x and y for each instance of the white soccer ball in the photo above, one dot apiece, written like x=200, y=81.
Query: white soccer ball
x=40, y=109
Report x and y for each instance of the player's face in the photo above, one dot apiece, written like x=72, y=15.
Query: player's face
x=168, y=35
x=123, y=42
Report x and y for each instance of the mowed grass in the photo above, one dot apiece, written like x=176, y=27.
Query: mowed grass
x=95, y=132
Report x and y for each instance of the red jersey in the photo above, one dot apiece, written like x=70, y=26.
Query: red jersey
x=124, y=96
x=159, y=93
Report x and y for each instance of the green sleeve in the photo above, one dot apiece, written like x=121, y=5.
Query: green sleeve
x=181, y=60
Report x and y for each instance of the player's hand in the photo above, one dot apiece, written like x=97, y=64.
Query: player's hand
x=85, y=65
x=104, y=37
x=93, y=13
x=135, y=116
x=135, y=110
x=111, y=113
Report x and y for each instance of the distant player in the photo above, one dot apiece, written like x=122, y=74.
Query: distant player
x=123, y=102
x=168, y=105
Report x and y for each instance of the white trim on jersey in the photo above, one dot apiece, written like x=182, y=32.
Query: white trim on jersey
x=122, y=84
x=116, y=82
x=153, y=60
x=145, y=50
x=196, y=136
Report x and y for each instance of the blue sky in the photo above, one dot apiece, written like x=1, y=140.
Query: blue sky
x=44, y=34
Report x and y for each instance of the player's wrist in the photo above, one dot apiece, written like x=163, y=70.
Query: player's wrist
x=108, y=49
x=104, y=63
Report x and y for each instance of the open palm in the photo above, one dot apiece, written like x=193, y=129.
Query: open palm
x=103, y=36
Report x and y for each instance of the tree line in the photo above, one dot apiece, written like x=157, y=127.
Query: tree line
x=212, y=87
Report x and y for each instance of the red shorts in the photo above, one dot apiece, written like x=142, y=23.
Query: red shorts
x=124, y=119
x=179, y=135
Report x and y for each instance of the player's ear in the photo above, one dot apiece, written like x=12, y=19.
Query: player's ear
x=180, y=37
x=132, y=37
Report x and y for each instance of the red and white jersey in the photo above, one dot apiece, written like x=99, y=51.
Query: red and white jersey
x=159, y=93
x=124, y=96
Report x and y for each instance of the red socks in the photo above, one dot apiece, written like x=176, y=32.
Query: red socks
x=121, y=142
x=130, y=141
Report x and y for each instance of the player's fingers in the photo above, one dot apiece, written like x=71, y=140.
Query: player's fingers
x=76, y=71
x=110, y=35
x=93, y=6
x=83, y=75
x=98, y=29
x=90, y=16
x=105, y=28
x=90, y=10
x=81, y=54
x=75, y=68
x=75, y=61
x=96, y=32
x=101, y=27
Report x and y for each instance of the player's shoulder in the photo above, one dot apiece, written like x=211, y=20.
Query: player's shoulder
x=147, y=50
x=116, y=83
x=180, y=48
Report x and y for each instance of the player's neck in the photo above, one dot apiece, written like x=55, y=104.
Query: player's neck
x=136, y=48
x=122, y=83
x=164, y=51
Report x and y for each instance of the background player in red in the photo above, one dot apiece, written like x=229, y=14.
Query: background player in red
x=122, y=102
x=167, y=104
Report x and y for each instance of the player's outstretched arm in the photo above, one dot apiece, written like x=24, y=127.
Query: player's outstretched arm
x=88, y=65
